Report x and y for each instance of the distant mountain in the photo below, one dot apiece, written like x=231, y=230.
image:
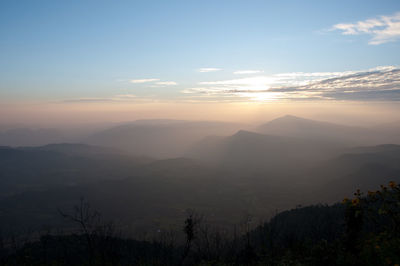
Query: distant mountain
x=384, y=148
x=38, y=168
x=157, y=122
x=364, y=168
x=29, y=137
x=317, y=130
x=330, y=170
x=356, y=158
x=250, y=149
x=389, y=131
x=159, y=138
x=76, y=149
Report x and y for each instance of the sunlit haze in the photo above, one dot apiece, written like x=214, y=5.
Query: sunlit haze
x=228, y=60
x=200, y=132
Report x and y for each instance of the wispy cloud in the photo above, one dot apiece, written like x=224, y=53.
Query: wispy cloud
x=251, y=81
x=119, y=98
x=166, y=83
x=125, y=96
x=245, y=72
x=383, y=29
x=138, y=81
x=208, y=69
x=381, y=83
x=86, y=100
x=154, y=82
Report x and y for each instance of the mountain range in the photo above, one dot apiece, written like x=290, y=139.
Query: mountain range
x=276, y=166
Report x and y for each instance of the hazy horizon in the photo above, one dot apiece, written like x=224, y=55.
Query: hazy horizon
x=230, y=61
x=229, y=132
x=347, y=113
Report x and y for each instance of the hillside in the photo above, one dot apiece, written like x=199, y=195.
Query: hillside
x=154, y=194
x=38, y=168
x=318, y=130
x=159, y=138
x=265, y=152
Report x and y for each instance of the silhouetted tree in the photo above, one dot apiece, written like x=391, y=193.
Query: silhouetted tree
x=189, y=229
x=99, y=234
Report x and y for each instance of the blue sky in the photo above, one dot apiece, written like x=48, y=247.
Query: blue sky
x=154, y=50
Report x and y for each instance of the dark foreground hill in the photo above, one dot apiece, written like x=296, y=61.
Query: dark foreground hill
x=360, y=231
x=146, y=196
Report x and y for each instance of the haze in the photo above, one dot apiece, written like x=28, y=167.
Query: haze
x=199, y=132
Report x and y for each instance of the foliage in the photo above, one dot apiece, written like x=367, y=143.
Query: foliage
x=363, y=230
x=373, y=225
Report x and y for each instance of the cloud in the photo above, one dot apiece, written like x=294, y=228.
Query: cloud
x=87, y=100
x=208, y=69
x=115, y=98
x=155, y=82
x=251, y=81
x=125, y=96
x=380, y=83
x=138, y=81
x=245, y=72
x=382, y=29
x=166, y=83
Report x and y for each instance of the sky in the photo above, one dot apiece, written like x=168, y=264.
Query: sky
x=139, y=59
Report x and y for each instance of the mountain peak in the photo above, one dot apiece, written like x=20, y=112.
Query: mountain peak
x=243, y=133
x=289, y=117
x=298, y=127
x=292, y=118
